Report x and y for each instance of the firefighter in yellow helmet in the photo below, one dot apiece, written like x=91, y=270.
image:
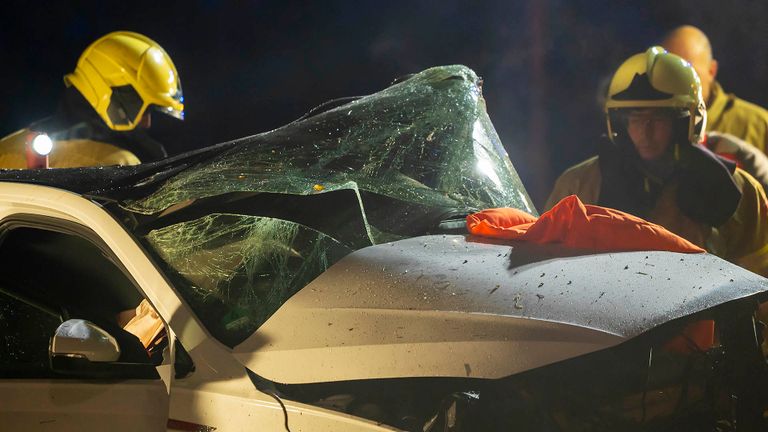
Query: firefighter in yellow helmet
x=652, y=164
x=105, y=110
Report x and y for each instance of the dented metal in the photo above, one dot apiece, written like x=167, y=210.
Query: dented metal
x=443, y=305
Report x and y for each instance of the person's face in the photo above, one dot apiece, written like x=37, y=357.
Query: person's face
x=651, y=132
x=146, y=120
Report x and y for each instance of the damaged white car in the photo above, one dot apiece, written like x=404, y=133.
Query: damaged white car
x=319, y=277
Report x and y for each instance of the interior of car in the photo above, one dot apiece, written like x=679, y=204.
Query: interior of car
x=50, y=276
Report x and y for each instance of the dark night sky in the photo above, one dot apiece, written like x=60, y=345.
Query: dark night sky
x=247, y=67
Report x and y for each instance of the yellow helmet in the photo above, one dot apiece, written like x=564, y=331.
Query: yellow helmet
x=657, y=79
x=123, y=73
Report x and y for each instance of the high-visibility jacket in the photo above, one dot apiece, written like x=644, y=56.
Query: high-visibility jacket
x=730, y=114
x=67, y=153
x=742, y=240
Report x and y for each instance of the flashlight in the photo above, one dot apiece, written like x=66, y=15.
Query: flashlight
x=39, y=145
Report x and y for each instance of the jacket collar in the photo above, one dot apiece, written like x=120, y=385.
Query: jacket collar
x=718, y=101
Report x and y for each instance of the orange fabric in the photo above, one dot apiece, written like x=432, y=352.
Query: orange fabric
x=576, y=225
x=697, y=336
x=506, y=223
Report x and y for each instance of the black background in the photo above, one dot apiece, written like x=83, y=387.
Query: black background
x=248, y=67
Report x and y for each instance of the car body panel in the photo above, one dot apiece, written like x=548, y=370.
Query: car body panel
x=73, y=405
x=219, y=381
x=225, y=398
x=445, y=305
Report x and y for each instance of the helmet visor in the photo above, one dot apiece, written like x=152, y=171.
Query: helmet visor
x=125, y=106
x=629, y=117
x=176, y=107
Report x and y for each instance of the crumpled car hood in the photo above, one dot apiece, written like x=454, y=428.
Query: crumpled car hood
x=444, y=306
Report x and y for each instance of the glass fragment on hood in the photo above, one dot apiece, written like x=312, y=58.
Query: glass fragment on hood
x=237, y=270
x=427, y=139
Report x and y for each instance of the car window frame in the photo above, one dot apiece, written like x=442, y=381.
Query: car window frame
x=63, y=226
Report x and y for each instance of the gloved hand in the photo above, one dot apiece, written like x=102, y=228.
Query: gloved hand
x=747, y=156
x=706, y=190
x=720, y=142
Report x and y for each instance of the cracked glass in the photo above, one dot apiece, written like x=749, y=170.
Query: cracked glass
x=239, y=269
x=247, y=228
x=427, y=139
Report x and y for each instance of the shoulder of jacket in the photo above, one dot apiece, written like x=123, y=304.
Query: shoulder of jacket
x=748, y=110
x=19, y=135
x=585, y=168
x=741, y=177
x=83, y=152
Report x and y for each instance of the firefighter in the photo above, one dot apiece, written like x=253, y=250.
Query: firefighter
x=653, y=166
x=104, y=113
x=726, y=112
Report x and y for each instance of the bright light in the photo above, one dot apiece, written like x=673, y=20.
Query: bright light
x=42, y=144
x=485, y=167
x=524, y=200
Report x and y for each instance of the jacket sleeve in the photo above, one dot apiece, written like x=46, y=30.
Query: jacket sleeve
x=746, y=232
x=751, y=159
x=757, y=133
x=13, y=150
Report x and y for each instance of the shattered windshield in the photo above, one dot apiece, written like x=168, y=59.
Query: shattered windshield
x=427, y=139
x=237, y=270
x=246, y=229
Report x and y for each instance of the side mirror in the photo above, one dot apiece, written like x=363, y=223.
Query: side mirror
x=82, y=339
x=81, y=349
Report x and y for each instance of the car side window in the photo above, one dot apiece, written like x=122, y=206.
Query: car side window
x=50, y=276
x=25, y=330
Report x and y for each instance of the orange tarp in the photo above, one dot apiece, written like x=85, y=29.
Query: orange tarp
x=588, y=227
x=576, y=225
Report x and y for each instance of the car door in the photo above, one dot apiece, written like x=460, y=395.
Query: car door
x=53, y=271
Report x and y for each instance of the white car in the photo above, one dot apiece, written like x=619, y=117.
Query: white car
x=318, y=277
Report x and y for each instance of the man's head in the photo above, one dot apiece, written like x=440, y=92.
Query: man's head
x=692, y=44
x=652, y=131
x=654, y=101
